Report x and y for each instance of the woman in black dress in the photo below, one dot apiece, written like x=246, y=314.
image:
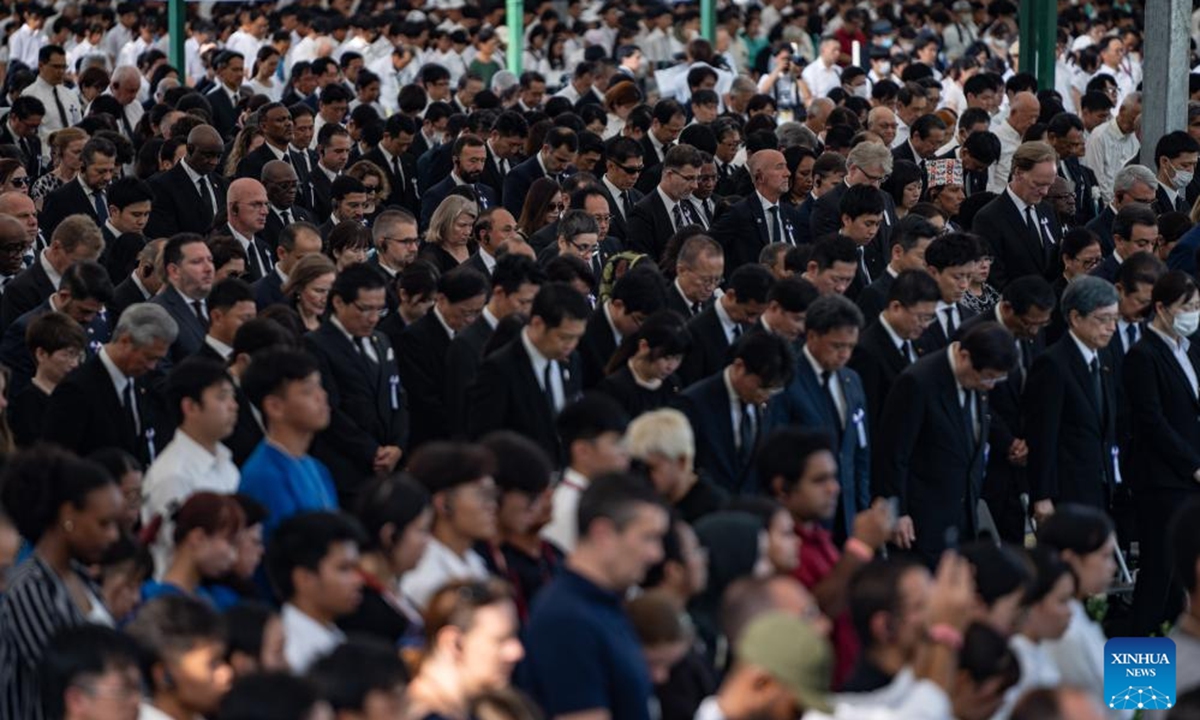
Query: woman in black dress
x=641, y=375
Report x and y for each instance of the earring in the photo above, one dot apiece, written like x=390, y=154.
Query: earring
x=68, y=525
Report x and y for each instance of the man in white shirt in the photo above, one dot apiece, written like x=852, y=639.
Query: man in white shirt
x=1023, y=113
x=25, y=43
x=62, y=105
x=1112, y=144
x=312, y=561
x=823, y=75
x=194, y=460
x=1112, y=63
x=249, y=37
x=126, y=83
x=458, y=477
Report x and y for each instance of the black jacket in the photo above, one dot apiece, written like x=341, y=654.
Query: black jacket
x=24, y=292
x=69, y=199
x=1015, y=249
x=744, y=231
x=421, y=358
x=1165, y=451
x=178, y=206
x=191, y=330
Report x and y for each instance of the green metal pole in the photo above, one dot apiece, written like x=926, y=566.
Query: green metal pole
x=1047, y=40
x=708, y=20
x=1028, y=35
x=514, y=17
x=176, y=20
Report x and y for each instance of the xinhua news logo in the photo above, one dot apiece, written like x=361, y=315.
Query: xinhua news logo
x=1139, y=673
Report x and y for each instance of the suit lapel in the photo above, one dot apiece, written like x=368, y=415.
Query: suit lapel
x=1083, y=375
x=1021, y=229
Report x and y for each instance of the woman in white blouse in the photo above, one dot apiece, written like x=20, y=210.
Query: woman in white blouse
x=264, y=82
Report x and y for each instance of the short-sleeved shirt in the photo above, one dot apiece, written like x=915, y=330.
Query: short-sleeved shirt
x=582, y=653
x=286, y=485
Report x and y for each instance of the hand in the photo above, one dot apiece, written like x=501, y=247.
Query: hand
x=1043, y=509
x=1018, y=453
x=904, y=535
x=873, y=526
x=386, y=458
x=1196, y=475
x=953, y=596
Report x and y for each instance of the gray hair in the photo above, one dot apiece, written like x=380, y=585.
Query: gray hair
x=1131, y=175
x=830, y=312
x=793, y=134
x=1083, y=295
x=743, y=85
x=575, y=223
x=870, y=154
x=146, y=322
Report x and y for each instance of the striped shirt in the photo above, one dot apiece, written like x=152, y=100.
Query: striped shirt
x=36, y=606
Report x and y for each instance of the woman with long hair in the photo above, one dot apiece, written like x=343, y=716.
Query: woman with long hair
x=307, y=288
x=447, y=242
x=641, y=374
x=619, y=100
x=800, y=161
x=543, y=206
x=13, y=177
x=66, y=155
x=247, y=141
x=262, y=81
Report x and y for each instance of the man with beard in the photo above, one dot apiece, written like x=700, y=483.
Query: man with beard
x=470, y=155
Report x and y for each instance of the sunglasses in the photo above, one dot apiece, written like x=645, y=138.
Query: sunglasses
x=20, y=181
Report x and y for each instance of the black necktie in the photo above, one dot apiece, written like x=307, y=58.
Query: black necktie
x=908, y=352
x=737, y=331
x=206, y=195
x=827, y=383
x=722, y=172
x=746, y=435
x=101, y=207
x=198, y=307
x=131, y=407
x=680, y=221
x=696, y=308
x=862, y=266
x=548, y=387
x=62, y=111
x=256, y=260
x=969, y=418
x=1131, y=337
x=951, y=328
x=1036, y=227
x=1097, y=390
x=363, y=349
x=776, y=232
x=398, y=173
x=286, y=216
x=125, y=123
x=626, y=204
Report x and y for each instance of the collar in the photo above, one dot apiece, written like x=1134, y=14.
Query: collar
x=188, y=301
x=441, y=319
x=539, y=360
x=541, y=161
x=726, y=322
x=490, y=318
x=293, y=616
x=613, y=190
x=668, y=202
x=191, y=173
x=734, y=400
x=611, y=326
x=766, y=204
x=1021, y=204
x=943, y=305
x=575, y=480
x=243, y=239
x=108, y=224
x=1179, y=346
x=896, y=339
x=954, y=369
x=137, y=280
x=489, y=262
x=119, y=379
x=333, y=320
x=328, y=173
x=279, y=154
x=224, y=350
x=1087, y=353
x=817, y=369
x=1170, y=191
x=457, y=180
x=54, y=275
x=658, y=147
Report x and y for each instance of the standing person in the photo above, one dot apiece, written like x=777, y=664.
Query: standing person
x=62, y=105
x=70, y=510
x=602, y=672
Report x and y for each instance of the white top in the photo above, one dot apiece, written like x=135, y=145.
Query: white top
x=1037, y=671
x=821, y=78
x=306, y=640
x=246, y=44
x=1010, y=139
x=182, y=469
x=563, y=529
x=905, y=697
x=440, y=565
x=51, y=121
x=1079, y=656
x=1108, y=149
x=25, y=44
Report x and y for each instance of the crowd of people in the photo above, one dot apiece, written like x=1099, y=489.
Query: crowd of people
x=831, y=367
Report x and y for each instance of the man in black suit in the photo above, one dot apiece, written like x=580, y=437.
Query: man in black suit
x=1134, y=230
x=230, y=305
x=300, y=155
x=223, y=99
x=698, y=273
x=623, y=164
x=1070, y=406
x=333, y=152
x=296, y=241
x=524, y=385
x=668, y=120
x=667, y=208
x=760, y=219
x=275, y=120
x=886, y=347
x=1132, y=184
x=76, y=238
x=129, y=203
x=929, y=453
x=433, y=129
x=85, y=195
x=862, y=208
x=719, y=326
x=637, y=295
x=950, y=259
x=493, y=228
x=1024, y=310
x=926, y=135
x=504, y=143
x=391, y=155
x=189, y=196
x=348, y=202
x=553, y=160
x=107, y=401
x=142, y=283
x=369, y=425
x=247, y=208
x=1066, y=135
x=20, y=128
x=1021, y=227
x=910, y=240
x=1175, y=164
x=514, y=282
x=760, y=365
x=469, y=156
x=867, y=164
x=282, y=186
x=188, y=266
x=729, y=141
x=422, y=347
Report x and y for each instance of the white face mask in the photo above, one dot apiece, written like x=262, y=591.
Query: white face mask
x=1186, y=323
x=885, y=69
x=1182, y=179
x=863, y=92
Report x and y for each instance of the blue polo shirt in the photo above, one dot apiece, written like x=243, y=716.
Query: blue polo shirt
x=582, y=653
x=286, y=485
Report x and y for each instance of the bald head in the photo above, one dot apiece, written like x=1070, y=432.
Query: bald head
x=245, y=190
x=276, y=171
x=1023, y=111
x=204, y=134
x=769, y=171
x=279, y=178
x=20, y=206
x=204, y=149
x=882, y=121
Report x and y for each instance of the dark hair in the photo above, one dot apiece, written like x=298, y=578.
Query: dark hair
x=1130, y=215
x=665, y=333
x=1141, y=268
x=270, y=696
x=913, y=286
x=953, y=249
x=521, y=464
x=259, y=334
x=1030, y=291
x=126, y=191
x=173, y=249
x=354, y=279
x=303, y=541
x=1076, y=240
x=1082, y=529
x=860, y=200
x=79, y=653
x=834, y=249
x=984, y=146
x=244, y=624
x=54, y=331
x=397, y=500
x=556, y=302
x=1174, y=144
x=589, y=417
x=229, y=292
x=1172, y=287
x=462, y=283
x=999, y=569
x=904, y=173
x=349, y=674
x=171, y=625
x=615, y=497
x=910, y=230
x=191, y=377
x=87, y=280
x=512, y=271
x=875, y=588
x=832, y=312
x=765, y=355
x=784, y=454
x=990, y=346
x=640, y=289
x=37, y=482
x=1048, y=567
x=273, y=369
x=444, y=465
x=672, y=553
x=750, y=283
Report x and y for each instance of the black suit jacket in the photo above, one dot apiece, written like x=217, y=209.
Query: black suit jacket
x=1108, y=269
x=1164, y=204
x=125, y=294
x=1070, y=438
x=650, y=156
x=934, y=338
x=421, y=357
x=1015, y=250
x=177, y=205
x=1087, y=201
x=32, y=160
x=462, y=365
x=1165, y=450
x=518, y=182
x=1102, y=226
x=707, y=407
x=86, y=414
x=274, y=226
x=268, y=291
x=24, y=292
x=875, y=258
x=650, y=226
x=191, y=330
x=677, y=302
x=402, y=193
x=368, y=405
x=873, y=298
x=251, y=166
x=486, y=198
x=619, y=226
x=827, y=217
x=878, y=362
x=434, y=165
x=596, y=348
x=506, y=395
x=69, y=199
x=926, y=456
x=224, y=114
x=322, y=192
x=709, y=347
x=744, y=231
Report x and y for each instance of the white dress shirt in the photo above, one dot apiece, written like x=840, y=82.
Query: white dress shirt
x=305, y=640
x=1108, y=149
x=1010, y=139
x=1179, y=349
x=821, y=78
x=539, y=371
x=563, y=529
x=438, y=566
x=51, y=121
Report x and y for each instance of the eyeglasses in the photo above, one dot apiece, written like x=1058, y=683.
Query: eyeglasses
x=602, y=218
x=368, y=309
x=631, y=169
x=875, y=178
x=686, y=178
x=20, y=181
x=402, y=241
x=558, y=207
x=1089, y=263
x=583, y=248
